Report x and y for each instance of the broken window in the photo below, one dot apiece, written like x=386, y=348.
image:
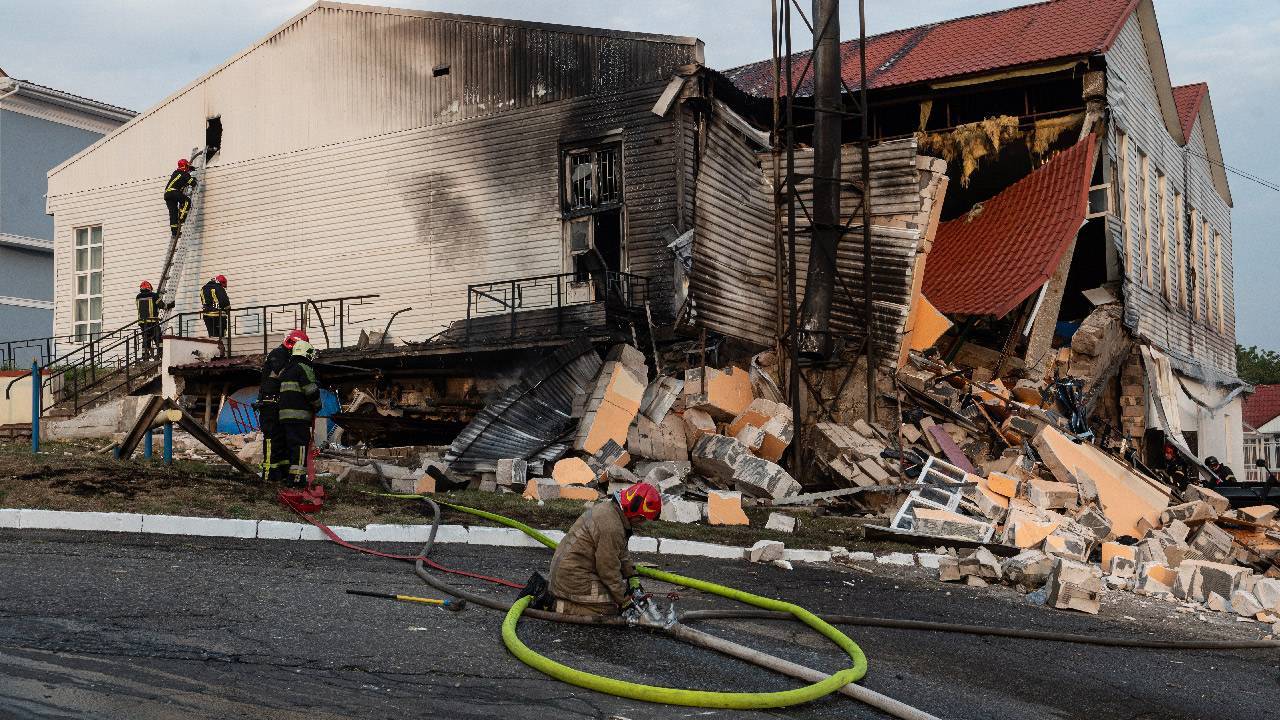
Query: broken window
x=212, y=137
x=591, y=203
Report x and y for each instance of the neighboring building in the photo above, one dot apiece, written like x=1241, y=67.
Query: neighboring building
x=404, y=153
x=1261, y=432
x=39, y=128
x=998, y=95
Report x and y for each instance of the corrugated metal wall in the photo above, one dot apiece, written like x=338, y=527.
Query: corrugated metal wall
x=1154, y=314
x=734, y=256
x=340, y=72
x=414, y=215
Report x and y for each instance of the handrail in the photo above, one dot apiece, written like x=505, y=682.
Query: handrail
x=87, y=346
x=548, y=292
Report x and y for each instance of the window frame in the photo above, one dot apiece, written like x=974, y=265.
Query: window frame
x=603, y=154
x=87, y=326
x=1162, y=227
x=1144, y=216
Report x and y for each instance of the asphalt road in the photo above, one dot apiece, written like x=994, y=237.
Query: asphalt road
x=101, y=625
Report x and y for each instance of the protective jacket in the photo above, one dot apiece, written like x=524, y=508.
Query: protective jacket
x=148, y=307
x=214, y=300
x=591, y=565
x=277, y=360
x=1225, y=476
x=299, y=393
x=179, y=181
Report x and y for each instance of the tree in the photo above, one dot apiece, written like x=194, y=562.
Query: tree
x=1258, y=367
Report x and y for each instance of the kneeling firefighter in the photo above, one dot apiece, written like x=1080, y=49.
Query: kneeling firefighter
x=275, y=459
x=299, y=403
x=591, y=573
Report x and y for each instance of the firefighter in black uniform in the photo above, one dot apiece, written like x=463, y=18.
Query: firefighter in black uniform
x=1222, y=475
x=148, y=319
x=299, y=403
x=217, y=306
x=275, y=461
x=176, y=197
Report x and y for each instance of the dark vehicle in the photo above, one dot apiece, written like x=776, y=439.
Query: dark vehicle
x=1247, y=494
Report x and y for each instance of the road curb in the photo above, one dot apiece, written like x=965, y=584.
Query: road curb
x=31, y=519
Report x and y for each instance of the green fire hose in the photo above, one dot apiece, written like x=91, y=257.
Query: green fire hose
x=676, y=696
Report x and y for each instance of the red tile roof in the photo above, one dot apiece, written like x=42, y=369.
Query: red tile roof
x=991, y=259
x=1024, y=35
x=1188, y=99
x=1262, y=406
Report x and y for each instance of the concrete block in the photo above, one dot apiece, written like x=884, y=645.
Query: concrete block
x=206, y=527
x=872, y=468
x=1002, y=484
x=806, y=555
x=1029, y=569
x=1026, y=532
x=1156, y=579
x=499, y=536
x=975, y=581
x=1245, y=603
x=1114, y=549
x=1198, y=492
x=1095, y=522
x=1073, y=586
x=612, y=407
x=66, y=520
x=760, y=478
x=930, y=560
x=897, y=558
x=574, y=471
x=376, y=532
x=578, y=492
x=665, y=440
x=944, y=524
x=1196, y=511
x=993, y=506
x=782, y=522
x=680, y=510
x=1067, y=544
x=724, y=395
x=717, y=457
x=765, y=551
x=1197, y=578
x=773, y=426
x=1217, y=603
x=9, y=518
x=277, y=530
x=542, y=489
x=988, y=564
x=514, y=471
x=1121, y=566
x=1260, y=514
x=692, y=547
x=1213, y=542
x=659, y=397
x=724, y=507
x=948, y=569
x=1267, y=590
x=1048, y=495
x=1177, y=531
x=697, y=424
x=641, y=544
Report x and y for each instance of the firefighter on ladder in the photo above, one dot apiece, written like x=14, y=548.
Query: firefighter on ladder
x=177, y=197
x=275, y=459
x=299, y=403
x=217, y=309
x=148, y=319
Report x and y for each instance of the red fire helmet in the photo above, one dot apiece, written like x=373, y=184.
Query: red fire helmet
x=293, y=337
x=640, y=500
x=144, y=285
x=221, y=280
x=183, y=164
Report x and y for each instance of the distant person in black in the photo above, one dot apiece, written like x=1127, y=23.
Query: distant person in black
x=217, y=307
x=299, y=403
x=148, y=319
x=1223, y=475
x=176, y=197
x=275, y=458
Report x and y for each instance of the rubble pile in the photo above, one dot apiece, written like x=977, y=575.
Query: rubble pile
x=1081, y=520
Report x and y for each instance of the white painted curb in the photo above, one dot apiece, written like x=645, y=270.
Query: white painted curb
x=15, y=518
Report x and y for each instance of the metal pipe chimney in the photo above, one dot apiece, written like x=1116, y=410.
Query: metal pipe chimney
x=815, y=317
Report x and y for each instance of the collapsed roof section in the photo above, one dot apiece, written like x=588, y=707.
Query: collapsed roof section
x=988, y=261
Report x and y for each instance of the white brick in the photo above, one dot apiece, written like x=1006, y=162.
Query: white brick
x=690, y=547
x=639, y=544
x=897, y=558
x=9, y=518
x=810, y=556
x=501, y=536
x=63, y=520
x=277, y=530
x=930, y=560
x=396, y=533
x=204, y=527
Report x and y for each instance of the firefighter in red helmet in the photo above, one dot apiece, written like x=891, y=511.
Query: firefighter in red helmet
x=275, y=460
x=591, y=573
x=148, y=319
x=177, y=196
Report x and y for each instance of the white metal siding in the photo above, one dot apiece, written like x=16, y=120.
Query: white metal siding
x=1135, y=110
x=339, y=73
x=413, y=215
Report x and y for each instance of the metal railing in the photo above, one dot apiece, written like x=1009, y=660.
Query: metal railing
x=18, y=354
x=618, y=290
x=108, y=362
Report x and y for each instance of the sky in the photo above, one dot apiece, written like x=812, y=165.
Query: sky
x=136, y=52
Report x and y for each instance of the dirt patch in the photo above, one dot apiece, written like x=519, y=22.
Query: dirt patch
x=73, y=476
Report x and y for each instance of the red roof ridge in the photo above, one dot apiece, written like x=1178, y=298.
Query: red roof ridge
x=1188, y=99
